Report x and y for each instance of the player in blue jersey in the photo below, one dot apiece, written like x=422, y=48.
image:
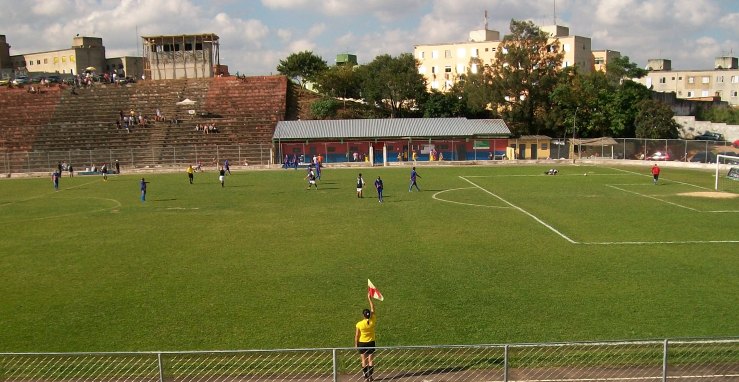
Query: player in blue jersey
x=379, y=187
x=414, y=175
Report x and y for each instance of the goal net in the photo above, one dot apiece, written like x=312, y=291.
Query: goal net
x=727, y=173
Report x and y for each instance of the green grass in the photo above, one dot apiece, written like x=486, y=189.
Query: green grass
x=264, y=263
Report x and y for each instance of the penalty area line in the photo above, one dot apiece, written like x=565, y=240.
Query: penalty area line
x=434, y=196
x=560, y=234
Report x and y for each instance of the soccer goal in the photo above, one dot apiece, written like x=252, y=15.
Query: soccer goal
x=727, y=173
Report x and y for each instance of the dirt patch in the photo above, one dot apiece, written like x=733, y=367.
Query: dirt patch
x=710, y=194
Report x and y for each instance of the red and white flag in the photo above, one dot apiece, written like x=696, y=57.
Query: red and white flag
x=373, y=292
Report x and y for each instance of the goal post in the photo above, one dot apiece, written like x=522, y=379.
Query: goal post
x=727, y=173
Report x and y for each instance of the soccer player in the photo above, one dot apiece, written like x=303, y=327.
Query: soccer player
x=104, y=171
x=655, y=173
x=190, y=173
x=227, y=166
x=364, y=339
x=143, y=189
x=379, y=186
x=55, y=179
x=222, y=176
x=360, y=184
x=414, y=175
x=311, y=179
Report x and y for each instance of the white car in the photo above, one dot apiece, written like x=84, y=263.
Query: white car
x=20, y=80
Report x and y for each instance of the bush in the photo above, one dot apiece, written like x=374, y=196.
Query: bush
x=324, y=108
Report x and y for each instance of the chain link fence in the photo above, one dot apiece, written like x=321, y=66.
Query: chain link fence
x=676, y=360
x=136, y=158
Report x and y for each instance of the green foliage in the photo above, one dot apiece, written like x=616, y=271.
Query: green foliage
x=394, y=83
x=340, y=81
x=523, y=76
x=324, y=108
x=264, y=263
x=725, y=114
x=444, y=105
x=622, y=68
x=654, y=120
x=302, y=66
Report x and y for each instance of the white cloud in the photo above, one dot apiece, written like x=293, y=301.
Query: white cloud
x=284, y=34
x=316, y=30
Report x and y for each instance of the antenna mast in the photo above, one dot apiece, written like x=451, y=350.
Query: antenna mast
x=554, y=14
x=485, y=26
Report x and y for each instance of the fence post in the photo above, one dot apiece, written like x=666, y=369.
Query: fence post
x=335, y=365
x=132, y=162
x=161, y=369
x=505, y=363
x=664, y=361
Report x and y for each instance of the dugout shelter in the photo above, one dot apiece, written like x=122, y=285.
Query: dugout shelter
x=381, y=141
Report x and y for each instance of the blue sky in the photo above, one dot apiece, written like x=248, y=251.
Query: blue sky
x=256, y=34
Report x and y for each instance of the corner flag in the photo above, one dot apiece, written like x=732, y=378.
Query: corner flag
x=373, y=292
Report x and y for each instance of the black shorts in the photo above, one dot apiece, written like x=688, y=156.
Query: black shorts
x=366, y=347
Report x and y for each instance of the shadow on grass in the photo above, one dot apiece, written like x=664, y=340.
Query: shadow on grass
x=164, y=200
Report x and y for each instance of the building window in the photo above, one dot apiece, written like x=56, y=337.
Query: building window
x=434, y=54
x=447, y=53
x=663, y=80
x=473, y=52
x=473, y=69
x=705, y=79
x=691, y=80
x=188, y=46
x=64, y=58
x=690, y=94
x=71, y=58
x=421, y=55
x=680, y=78
x=433, y=70
x=486, y=49
x=421, y=70
x=720, y=79
x=566, y=47
x=735, y=79
x=56, y=60
x=46, y=60
x=461, y=52
x=565, y=64
x=460, y=68
x=38, y=62
x=673, y=78
x=30, y=62
x=734, y=93
x=704, y=93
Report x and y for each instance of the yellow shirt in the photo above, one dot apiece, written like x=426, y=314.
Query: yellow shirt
x=189, y=170
x=367, y=329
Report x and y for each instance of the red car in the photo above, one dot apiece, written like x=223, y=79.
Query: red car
x=660, y=156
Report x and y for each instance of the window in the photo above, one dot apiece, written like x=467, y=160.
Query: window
x=473, y=68
x=691, y=80
x=188, y=46
x=734, y=93
x=38, y=62
x=64, y=58
x=735, y=79
x=56, y=60
x=199, y=46
x=705, y=79
x=46, y=60
x=460, y=68
x=704, y=93
x=565, y=64
x=473, y=52
x=690, y=94
x=673, y=78
x=421, y=70
x=486, y=49
x=71, y=58
x=447, y=53
x=662, y=80
x=433, y=70
x=421, y=55
x=544, y=146
x=434, y=54
x=720, y=79
x=447, y=69
x=680, y=78
x=30, y=62
x=566, y=47
x=599, y=61
x=461, y=52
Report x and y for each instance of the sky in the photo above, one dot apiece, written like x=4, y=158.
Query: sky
x=256, y=34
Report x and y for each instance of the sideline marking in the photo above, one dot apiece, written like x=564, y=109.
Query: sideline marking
x=434, y=196
x=524, y=211
x=660, y=242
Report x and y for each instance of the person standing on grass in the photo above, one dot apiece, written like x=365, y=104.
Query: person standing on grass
x=414, y=175
x=655, y=173
x=55, y=179
x=379, y=187
x=190, y=173
x=311, y=179
x=222, y=176
x=364, y=339
x=117, y=167
x=142, y=186
x=71, y=171
x=360, y=185
x=227, y=166
x=104, y=171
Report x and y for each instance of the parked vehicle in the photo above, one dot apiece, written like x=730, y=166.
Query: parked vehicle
x=21, y=80
x=658, y=155
x=54, y=79
x=703, y=157
x=709, y=136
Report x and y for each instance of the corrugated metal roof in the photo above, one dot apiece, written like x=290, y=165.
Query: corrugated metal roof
x=390, y=128
x=535, y=137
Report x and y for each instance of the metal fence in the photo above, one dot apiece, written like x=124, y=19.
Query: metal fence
x=663, y=360
x=207, y=155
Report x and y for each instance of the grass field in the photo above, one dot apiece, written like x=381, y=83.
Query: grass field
x=481, y=255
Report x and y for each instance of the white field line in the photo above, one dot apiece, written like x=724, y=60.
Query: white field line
x=674, y=181
x=116, y=202
x=660, y=242
x=434, y=196
x=538, y=175
x=652, y=197
x=523, y=211
x=47, y=194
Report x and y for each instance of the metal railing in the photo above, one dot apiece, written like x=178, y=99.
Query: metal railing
x=659, y=360
x=81, y=160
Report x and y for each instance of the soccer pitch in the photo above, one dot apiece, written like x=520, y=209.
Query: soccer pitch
x=497, y=254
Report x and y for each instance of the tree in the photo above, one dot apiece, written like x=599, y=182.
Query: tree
x=393, y=82
x=340, y=81
x=654, y=120
x=324, y=108
x=524, y=74
x=444, y=105
x=622, y=68
x=302, y=66
x=475, y=89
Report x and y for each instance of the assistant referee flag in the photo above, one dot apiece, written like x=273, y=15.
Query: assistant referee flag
x=373, y=292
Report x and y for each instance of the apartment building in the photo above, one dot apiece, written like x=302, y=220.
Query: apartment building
x=443, y=64
x=720, y=82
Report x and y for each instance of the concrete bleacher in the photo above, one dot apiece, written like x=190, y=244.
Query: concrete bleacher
x=244, y=110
